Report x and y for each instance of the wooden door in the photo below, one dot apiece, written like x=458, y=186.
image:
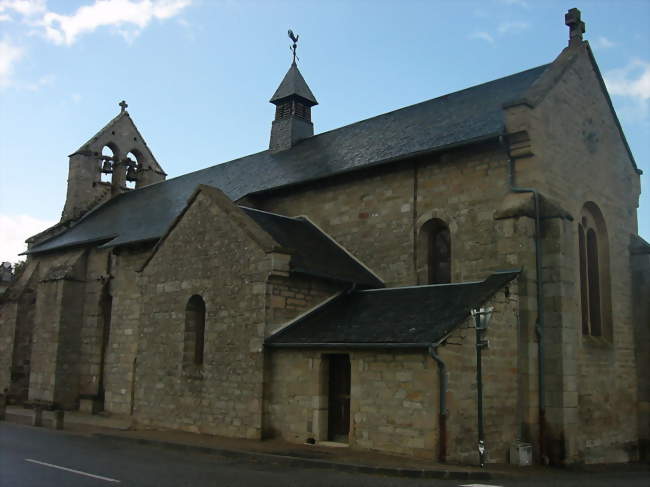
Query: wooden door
x=339, y=398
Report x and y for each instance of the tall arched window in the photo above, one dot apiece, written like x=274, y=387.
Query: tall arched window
x=194, y=331
x=435, y=251
x=593, y=248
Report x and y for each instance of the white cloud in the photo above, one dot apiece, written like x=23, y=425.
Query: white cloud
x=15, y=229
x=5, y=18
x=604, y=42
x=484, y=36
x=632, y=81
x=27, y=8
x=76, y=98
x=10, y=54
x=128, y=16
x=512, y=27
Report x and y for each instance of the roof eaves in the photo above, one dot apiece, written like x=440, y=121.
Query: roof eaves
x=70, y=245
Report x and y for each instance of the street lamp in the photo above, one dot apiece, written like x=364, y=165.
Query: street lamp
x=482, y=318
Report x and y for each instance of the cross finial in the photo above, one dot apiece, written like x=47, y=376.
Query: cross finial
x=576, y=26
x=293, y=48
x=123, y=106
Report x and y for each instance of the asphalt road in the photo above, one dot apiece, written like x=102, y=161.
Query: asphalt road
x=34, y=457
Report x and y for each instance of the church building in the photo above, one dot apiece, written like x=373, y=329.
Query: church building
x=381, y=285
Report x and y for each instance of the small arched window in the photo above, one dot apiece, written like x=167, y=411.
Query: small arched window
x=435, y=251
x=194, y=340
x=593, y=248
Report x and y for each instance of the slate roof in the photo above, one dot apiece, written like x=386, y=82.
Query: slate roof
x=406, y=317
x=293, y=84
x=466, y=116
x=315, y=253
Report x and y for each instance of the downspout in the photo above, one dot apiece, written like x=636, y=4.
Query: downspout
x=539, y=325
x=442, y=396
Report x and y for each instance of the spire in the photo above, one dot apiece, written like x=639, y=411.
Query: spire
x=293, y=84
x=293, y=101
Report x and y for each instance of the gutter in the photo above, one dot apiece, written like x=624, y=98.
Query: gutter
x=351, y=345
x=539, y=325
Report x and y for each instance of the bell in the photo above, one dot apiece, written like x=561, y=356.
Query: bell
x=107, y=166
x=131, y=172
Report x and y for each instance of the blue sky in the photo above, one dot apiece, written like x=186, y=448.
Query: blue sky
x=197, y=75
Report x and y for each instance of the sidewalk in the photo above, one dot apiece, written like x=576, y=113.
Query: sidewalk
x=276, y=451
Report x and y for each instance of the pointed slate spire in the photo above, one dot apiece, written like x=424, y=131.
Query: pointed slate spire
x=293, y=101
x=294, y=84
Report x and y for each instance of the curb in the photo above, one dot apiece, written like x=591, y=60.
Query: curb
x=307, y=462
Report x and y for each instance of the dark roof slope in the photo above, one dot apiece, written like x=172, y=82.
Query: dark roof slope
x=293, y=84
x=314, y=253
x=465, y=116
x=416, y=316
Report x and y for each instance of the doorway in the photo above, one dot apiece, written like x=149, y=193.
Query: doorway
x=338, y=422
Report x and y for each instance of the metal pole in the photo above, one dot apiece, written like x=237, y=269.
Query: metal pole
x=479, y=389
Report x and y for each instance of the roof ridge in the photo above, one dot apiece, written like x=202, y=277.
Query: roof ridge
x=271, y=213
x=429, y=100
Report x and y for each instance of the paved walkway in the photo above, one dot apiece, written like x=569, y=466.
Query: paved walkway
x=275, y=450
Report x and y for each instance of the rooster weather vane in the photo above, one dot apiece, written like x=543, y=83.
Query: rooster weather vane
x=293, y=48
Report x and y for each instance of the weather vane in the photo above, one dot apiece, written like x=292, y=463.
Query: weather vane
x=293, y=48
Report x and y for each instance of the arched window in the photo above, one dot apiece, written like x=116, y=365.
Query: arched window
x=194, y=331
x=435, y=252
x=593, y=248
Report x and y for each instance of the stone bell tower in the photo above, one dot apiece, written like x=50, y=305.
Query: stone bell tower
x=115, y=160
x=293, y=101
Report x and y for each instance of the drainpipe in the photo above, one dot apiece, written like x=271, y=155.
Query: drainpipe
x=442, y=416
x=539, y=325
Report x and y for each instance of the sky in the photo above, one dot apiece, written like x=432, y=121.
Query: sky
x=198, y=74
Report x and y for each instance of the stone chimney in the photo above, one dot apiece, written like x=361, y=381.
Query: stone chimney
x=293, y=101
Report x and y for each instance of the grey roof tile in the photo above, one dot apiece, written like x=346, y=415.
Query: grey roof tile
x=468, y=115
x=293, y=84
x=416, y=316
x=314, y=253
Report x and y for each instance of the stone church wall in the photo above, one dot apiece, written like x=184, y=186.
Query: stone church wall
x=579, y=156
x=97, y=284
x=17, y=307
x=54, y=375
x=377, y=214
x=394, y=394
x=641, y=270
x=120, y=359
x=228, y=270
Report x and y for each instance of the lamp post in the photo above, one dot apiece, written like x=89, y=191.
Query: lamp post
x=481, y=319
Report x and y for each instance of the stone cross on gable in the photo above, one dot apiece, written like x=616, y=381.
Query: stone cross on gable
x=123, y=106
x=576, y=26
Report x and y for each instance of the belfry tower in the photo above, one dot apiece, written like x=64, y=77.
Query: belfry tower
x=293, y=101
